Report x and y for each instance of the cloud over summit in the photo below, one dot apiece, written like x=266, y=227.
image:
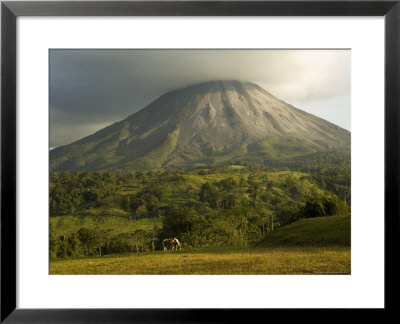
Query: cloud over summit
x=93, y=88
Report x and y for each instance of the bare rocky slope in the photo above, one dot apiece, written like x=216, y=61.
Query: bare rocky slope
x=202, y=125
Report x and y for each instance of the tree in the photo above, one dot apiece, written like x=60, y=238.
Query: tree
x=157, y=191
x=324, y=206
x=151, y=201
x=265, y=221
x=126, y=203
x=209, y=193
x=154, y=234
x=52, y=241
x=242, y=214
x=314, y=207
x=254, y=192
x=288, y=214
x=180, y=220
x=344, y=192
x=91, y=195
x=191, y=192
x=141, y=240
x=93, y=239
x=141, y=211
x=53, y=177
x=227, y=184
x=228, y=201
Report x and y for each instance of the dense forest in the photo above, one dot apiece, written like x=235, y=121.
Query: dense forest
x=98, y=213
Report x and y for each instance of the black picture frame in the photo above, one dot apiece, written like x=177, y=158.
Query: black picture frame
x=10, y=10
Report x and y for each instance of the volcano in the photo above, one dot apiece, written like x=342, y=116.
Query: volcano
x=203, y=125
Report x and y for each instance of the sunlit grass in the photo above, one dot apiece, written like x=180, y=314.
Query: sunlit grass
x=293, y=260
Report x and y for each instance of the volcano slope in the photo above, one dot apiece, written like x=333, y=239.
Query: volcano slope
x=204, y=125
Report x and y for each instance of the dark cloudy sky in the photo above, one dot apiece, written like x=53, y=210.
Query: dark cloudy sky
x=90, y=89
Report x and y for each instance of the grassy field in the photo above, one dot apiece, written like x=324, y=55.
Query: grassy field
x=288, y=260
x=319, y=231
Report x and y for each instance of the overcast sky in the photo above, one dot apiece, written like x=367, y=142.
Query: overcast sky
x=90, y=89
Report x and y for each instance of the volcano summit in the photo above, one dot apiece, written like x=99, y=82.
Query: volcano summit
x=203, y=125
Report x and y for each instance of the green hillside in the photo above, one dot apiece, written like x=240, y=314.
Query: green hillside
x=320, y=231
x=154, y=159
x=68, y=224
x=274, y=152
x=234, y=205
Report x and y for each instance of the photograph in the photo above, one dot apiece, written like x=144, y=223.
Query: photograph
x=199, y=161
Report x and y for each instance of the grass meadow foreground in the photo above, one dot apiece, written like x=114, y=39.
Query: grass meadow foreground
x=271, y=260
x=309, y=246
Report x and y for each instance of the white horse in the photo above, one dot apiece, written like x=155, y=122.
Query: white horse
x=173, y=243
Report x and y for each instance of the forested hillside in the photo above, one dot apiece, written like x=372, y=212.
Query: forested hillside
x=97, y=213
